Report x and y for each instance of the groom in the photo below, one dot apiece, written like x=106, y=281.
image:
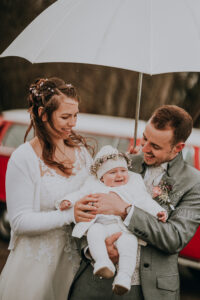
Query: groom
x=157, y=275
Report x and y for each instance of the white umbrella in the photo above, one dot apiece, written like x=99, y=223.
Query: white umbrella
x=148, y=36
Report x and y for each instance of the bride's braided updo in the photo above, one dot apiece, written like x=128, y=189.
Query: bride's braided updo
x=47, y=93
x=42, y=90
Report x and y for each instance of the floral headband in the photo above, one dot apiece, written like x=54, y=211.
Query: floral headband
x=115, y=156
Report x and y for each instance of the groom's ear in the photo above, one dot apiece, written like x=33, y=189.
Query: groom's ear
x=179, y=147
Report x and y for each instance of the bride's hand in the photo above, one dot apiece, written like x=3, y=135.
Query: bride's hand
x=85, y=209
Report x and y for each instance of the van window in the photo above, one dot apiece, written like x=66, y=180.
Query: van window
x=123, y=145
x=15, y=135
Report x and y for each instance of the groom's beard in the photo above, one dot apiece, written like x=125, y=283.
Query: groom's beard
x=152, y=160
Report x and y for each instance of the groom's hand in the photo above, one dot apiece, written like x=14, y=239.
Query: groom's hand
x=85, y=209
x=110, y=204
x=111, y=249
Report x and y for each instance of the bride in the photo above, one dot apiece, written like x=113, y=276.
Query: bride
x=43, y=257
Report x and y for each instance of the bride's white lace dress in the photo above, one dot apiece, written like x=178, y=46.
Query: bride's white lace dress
x=44, y=265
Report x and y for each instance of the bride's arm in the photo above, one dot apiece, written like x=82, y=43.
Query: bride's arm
x=81, y=200
x=21, y=194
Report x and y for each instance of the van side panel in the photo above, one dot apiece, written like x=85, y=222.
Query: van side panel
x=192, y=250
x=197, y=157
x=4, y=161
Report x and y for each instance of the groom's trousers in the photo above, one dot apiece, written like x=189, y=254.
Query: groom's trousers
x=86, y=286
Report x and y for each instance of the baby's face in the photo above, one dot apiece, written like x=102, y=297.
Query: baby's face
x=115, y=177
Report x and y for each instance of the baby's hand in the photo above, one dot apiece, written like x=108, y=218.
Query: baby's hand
x=65, y=204
x=156, y=191
x=162, y=216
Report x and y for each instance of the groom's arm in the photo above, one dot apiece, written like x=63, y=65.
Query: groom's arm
x=170, y=237
x=181, y=226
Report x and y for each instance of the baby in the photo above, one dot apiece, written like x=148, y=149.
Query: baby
x=110, y=174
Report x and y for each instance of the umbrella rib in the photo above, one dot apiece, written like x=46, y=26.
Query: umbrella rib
x=194, y=18
x=108, y=27
x=58, y=24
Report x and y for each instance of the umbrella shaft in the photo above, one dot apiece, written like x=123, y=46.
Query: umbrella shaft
x=137, y=113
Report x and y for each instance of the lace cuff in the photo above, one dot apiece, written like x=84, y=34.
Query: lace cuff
x=68, y=216
x=68, y=213
x=57, y=203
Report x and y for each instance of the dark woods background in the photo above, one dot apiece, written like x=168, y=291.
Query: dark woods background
x=103, y=90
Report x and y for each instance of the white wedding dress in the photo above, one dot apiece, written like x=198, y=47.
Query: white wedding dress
x=41, y=267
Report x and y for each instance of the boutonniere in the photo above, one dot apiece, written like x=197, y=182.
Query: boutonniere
x=161, y=193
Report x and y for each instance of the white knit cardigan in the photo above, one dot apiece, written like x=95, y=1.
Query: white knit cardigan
x=23, y=197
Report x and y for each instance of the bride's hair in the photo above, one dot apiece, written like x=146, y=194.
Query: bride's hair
x=47, y=93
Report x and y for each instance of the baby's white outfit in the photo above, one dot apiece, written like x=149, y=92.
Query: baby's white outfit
x=102, y=226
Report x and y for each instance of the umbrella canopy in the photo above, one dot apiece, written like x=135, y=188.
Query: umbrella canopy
x=149, y=36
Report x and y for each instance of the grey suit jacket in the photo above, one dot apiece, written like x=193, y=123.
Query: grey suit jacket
x=159, y=267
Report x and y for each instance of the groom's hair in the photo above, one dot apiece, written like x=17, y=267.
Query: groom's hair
x=174, y=117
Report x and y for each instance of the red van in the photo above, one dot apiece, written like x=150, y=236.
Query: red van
x=115, y=131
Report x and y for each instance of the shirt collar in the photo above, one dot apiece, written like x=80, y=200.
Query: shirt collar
x=164, y=165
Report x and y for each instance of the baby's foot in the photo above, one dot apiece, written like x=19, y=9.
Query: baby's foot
x=105, y=269
x=121, y=284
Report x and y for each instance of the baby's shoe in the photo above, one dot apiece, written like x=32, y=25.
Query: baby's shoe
x=121, y=284
x=105, y=269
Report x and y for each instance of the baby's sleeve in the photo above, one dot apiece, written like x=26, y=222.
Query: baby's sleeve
x=141, y=198
x=123, y=193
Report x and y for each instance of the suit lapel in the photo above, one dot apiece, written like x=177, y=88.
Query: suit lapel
x=138, y=165
x=173, y=175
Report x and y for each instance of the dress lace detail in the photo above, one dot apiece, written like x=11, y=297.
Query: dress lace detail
x=80, y=162
x=41, y=248
x=71, y=249
x=64, y=185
